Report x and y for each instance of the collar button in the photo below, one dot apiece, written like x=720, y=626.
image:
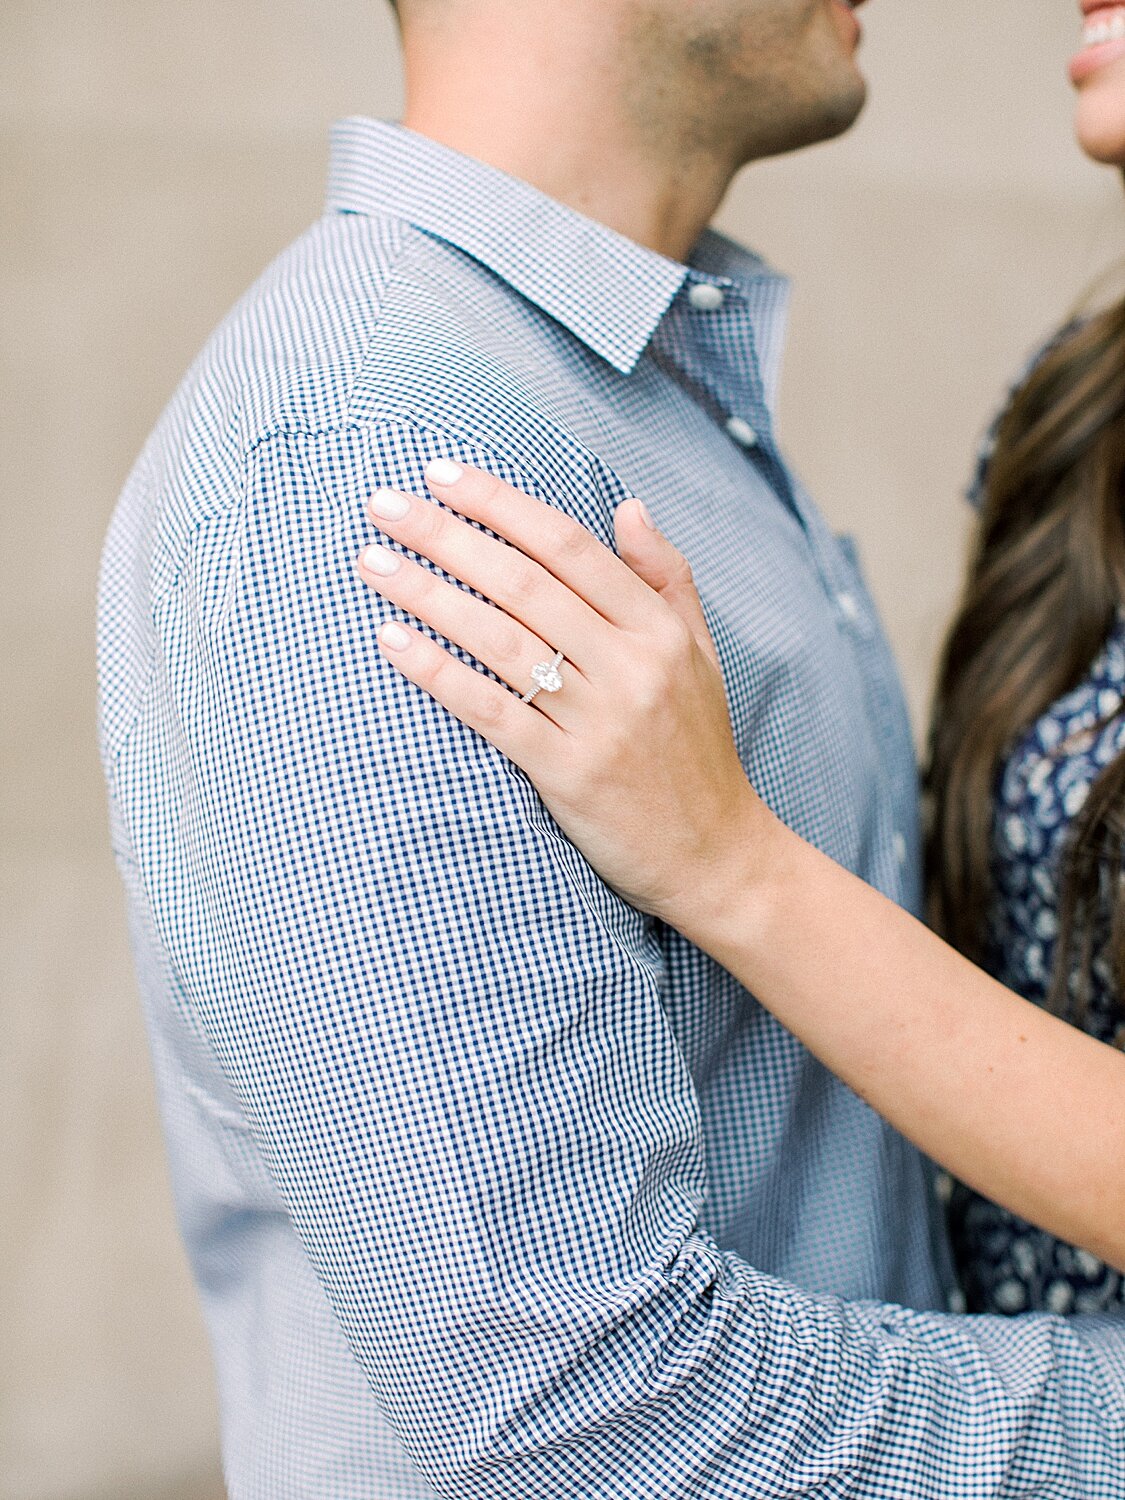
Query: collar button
x=705, y=296
x=742, y=433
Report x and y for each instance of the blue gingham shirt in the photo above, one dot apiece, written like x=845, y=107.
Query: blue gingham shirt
x=493, y=1187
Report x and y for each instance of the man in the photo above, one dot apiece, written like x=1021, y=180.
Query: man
x=492, y=1187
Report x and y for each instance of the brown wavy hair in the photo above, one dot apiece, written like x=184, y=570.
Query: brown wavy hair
x=1046, y=578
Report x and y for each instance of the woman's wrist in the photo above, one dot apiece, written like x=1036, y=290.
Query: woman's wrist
x=726, y=904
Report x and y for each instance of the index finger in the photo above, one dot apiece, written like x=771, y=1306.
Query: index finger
x=553, y=539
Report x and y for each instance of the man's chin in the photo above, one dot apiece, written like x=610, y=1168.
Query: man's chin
x=829, y=118
x=848, y=108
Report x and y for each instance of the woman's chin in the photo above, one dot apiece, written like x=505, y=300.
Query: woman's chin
x=1102, y=144
x=1100, y=117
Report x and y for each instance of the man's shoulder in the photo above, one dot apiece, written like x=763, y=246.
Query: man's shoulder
x=364, y=322
x=287, y=354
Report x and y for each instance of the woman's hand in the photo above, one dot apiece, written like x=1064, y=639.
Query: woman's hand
x=633, y=754
x=635, y=758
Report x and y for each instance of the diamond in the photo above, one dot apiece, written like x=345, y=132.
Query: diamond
x=546, y=676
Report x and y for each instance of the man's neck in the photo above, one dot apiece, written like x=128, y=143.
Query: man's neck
x=573, y=140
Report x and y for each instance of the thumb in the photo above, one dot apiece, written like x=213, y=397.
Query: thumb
x=656, y=562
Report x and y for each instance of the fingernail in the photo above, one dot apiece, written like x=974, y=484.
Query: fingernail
x=388, y=505
x=443, y=471
x=380, y=560
x=393, y=636
x=645, y=517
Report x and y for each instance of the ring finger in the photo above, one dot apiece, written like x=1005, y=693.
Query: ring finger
x=501, y=643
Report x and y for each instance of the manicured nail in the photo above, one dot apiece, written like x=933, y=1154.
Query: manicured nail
x=381, y=560
x=393, y=636
x=388, y=505
x=443, y=471
x=645, y=517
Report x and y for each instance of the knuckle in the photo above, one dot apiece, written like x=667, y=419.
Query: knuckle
x=605, y=755
x=492, y=487
x=428, y=523
x=439, y=669
x=521, y=582
x=492, y=709
x=487, y=493
x=508, y=642
x=649, y=686
x=678, y=566
x=567, y=540
x=426, y=587
x=672, y=638
x=680, y=569
x=422, y=575
x=595, y=776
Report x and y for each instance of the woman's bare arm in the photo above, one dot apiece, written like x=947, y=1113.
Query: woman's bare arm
x=635, y=759
x=1023, y=1107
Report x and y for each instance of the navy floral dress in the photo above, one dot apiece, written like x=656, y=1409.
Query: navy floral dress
x=1005, y=1264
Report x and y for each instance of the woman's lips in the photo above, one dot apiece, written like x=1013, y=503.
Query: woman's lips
x=1103, y=40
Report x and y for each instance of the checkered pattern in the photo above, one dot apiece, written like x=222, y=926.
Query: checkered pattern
x=472, y=1160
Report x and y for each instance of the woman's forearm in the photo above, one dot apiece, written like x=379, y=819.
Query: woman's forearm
x=1021, y=1106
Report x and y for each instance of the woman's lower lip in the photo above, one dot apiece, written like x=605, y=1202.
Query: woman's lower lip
x=1090, y=59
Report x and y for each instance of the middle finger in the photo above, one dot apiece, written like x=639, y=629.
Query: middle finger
x=519, y=586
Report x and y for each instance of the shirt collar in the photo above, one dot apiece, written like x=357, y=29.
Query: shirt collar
x=607, y=290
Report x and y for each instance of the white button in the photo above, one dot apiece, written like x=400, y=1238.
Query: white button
x=898, y=843
x=943, y=1186
x=705, y=296
x=848, y=605
x=741, y=431
x=956, y=1303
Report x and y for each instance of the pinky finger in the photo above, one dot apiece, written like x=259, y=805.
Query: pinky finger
x=517, y=730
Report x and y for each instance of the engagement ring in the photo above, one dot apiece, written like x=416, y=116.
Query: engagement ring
x=546, y=678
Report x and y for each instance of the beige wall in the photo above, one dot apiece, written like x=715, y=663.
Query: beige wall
x=154, y=156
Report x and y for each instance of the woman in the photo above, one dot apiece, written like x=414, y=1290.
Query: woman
x=636, y=761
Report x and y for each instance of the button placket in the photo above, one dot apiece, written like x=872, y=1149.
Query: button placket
x=712, y=344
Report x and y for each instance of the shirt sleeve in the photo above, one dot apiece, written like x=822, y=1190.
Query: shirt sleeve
x=449, y=1038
